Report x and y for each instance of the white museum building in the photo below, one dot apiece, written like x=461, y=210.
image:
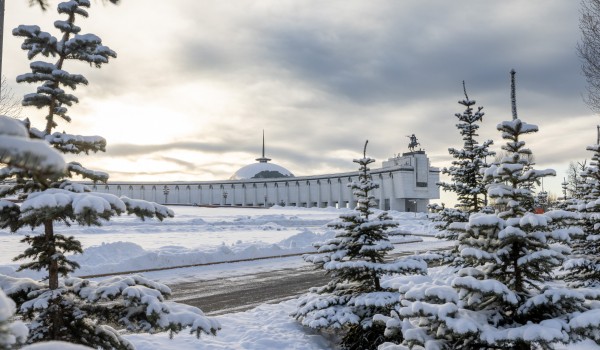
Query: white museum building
x=406, y=183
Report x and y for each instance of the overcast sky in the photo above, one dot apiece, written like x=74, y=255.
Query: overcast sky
x=196, y=82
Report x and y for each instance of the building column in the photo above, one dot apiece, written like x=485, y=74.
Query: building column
x=352, y=201
x=393, y=200
x=341, y=194
x=381, y=193
x=298, y=199
x=287, y=193
x=330, y=193
x=319, y=197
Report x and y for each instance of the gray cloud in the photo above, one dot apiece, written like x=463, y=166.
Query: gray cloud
x=187, y=165
x=288, y=153
x=369, y=70
x=125, y=150
x=415, y=51
x=321, y=77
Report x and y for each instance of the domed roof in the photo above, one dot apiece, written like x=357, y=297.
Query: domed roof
x=261, y=170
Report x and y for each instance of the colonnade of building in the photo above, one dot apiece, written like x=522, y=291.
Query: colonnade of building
x=406, y=183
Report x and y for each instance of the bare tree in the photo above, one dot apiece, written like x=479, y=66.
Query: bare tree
x=575, y=182
x=9, y=105
x=588, y=50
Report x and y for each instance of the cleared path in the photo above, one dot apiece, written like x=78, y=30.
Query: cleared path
x=225, y=295
x=232, y=294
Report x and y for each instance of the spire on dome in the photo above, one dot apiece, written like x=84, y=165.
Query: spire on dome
x=262, y=169
x=263, y=159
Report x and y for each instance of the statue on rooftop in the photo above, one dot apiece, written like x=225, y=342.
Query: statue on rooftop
x=413, y=143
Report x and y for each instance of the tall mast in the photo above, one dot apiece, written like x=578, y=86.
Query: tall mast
x=263, y=159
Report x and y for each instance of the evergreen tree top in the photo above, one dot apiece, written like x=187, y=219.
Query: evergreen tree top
x=467, y=181
x=52, y=77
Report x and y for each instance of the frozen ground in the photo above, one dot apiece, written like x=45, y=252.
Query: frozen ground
x=199, y=235
x=196, y=235
x=267, y=327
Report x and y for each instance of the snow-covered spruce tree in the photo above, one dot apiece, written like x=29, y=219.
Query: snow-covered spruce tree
x=16, y=149
x=356, y=262
x=503, y=297
x=466, y=178
x=583, y=269
x=72, y=309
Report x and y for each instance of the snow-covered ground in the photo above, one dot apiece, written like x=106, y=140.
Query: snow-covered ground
x=196, y=235
x=200, y=235
x=265, y=327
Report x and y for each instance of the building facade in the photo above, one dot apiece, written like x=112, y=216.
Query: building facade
x=406, y=183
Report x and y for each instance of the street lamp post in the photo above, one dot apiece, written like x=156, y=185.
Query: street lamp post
x=166, y=191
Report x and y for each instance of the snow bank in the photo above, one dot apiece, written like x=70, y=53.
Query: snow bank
x=268, y=327
x=203, y=236
x=55, y=345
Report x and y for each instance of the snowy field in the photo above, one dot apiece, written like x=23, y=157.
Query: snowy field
x=201, y=235
x=196, y=235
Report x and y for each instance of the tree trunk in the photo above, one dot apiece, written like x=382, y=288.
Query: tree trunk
x=51, y=250
x=517, y=269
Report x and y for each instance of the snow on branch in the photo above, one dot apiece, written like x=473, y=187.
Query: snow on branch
x=486, y=287
x=533, y=174
x=36, y=41
x=14, y=286
x=86, y=208
x=17, y=150
x=400, y=266
x=144, y=209
x=554, y=297
x=89, y=48
x=11, y=333
x=139, y=302
x=546, y=332
x=77, y=168
x=69, y=143
x=74, y=7
x=516, y=126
